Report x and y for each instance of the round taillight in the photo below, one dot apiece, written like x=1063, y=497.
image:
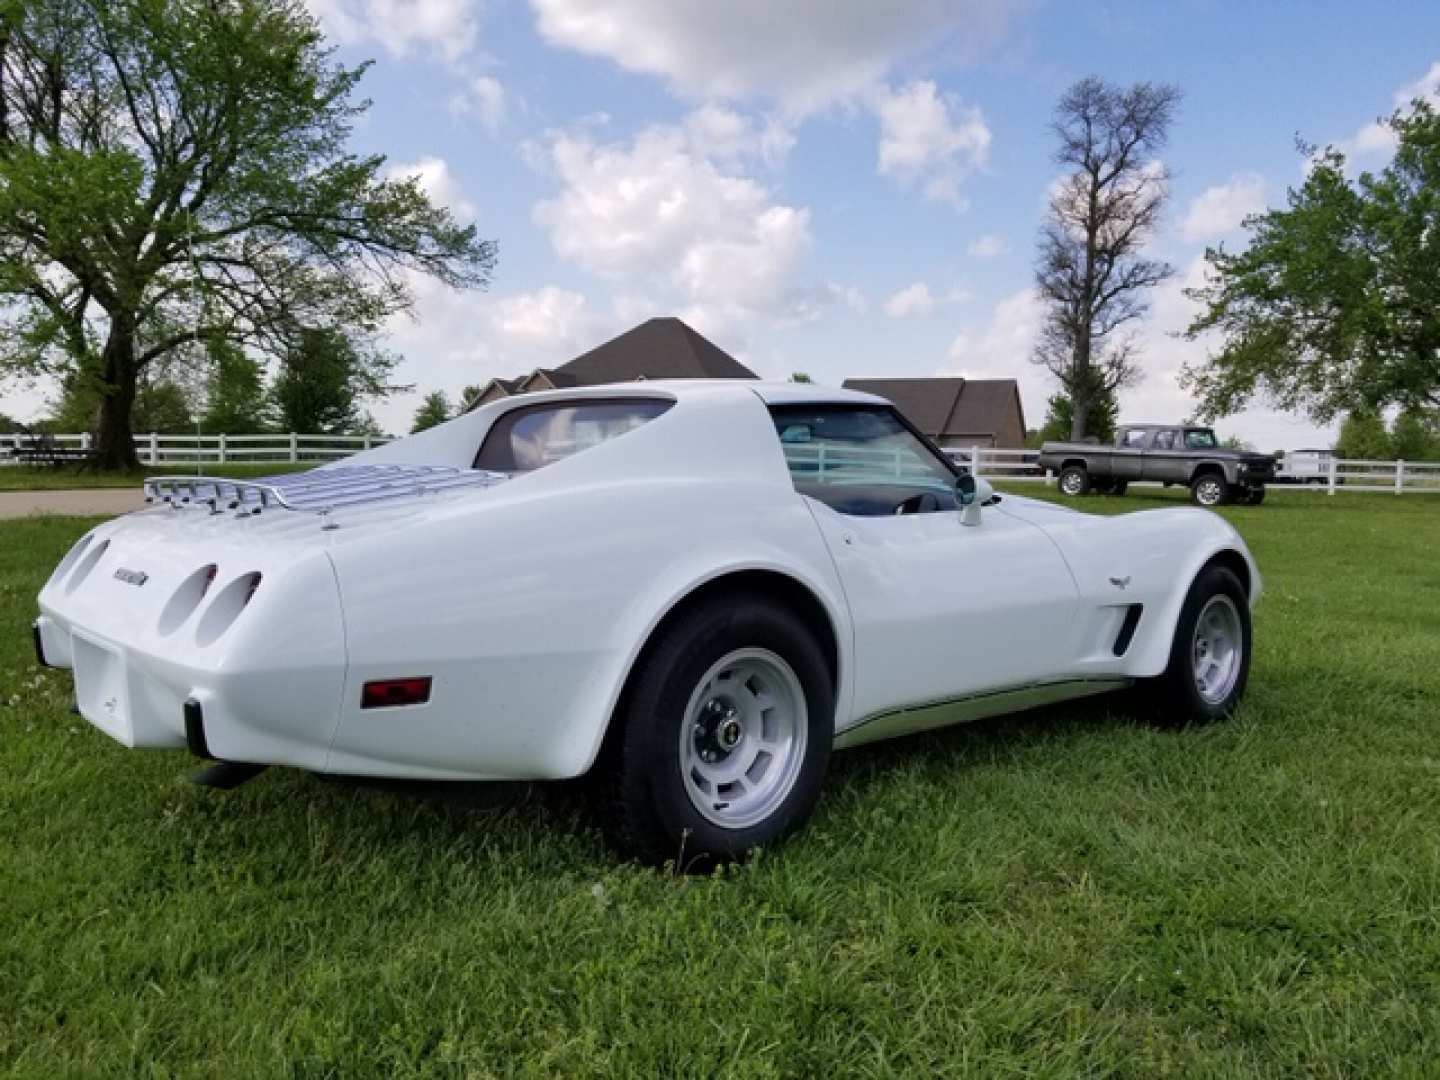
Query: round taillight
x=222, y=612
x=71, y=556
x=85, y=565
x=186, y=599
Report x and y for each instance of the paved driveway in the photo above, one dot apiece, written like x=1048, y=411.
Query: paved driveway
x=83, y=502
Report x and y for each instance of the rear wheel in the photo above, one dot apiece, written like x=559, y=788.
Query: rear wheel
x=723, y=739
x=1074, y=480
x=1208, y=489
x=1210, y=654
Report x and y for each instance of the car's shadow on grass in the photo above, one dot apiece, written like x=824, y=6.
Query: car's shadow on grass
x=515, y=819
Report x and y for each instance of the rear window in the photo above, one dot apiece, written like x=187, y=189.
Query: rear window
x=534, y=436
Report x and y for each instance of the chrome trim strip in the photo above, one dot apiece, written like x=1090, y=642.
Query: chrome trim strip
x=935, y=714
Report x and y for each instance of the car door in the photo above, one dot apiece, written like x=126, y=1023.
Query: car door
x=940, y=610
x=1163, y=456
x=1129, y=457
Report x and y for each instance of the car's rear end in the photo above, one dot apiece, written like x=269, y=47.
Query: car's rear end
x=214, y=620
x=184, y=628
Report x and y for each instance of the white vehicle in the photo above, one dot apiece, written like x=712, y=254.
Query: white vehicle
x=692, y=589
x=1305, y=467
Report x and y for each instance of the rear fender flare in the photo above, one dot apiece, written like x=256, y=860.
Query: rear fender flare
x=675, y=589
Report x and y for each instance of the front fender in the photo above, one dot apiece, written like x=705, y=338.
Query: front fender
x=1148, y=558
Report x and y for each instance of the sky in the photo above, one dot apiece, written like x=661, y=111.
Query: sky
x=842, y=187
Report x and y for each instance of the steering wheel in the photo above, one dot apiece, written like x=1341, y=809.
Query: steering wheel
x=924, y=502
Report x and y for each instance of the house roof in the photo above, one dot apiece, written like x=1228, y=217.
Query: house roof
x=952, y=406
x=661, y=348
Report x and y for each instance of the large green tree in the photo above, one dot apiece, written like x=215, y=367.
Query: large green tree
x=174, y=171
x=1334, y=305
x=1363, y=437
x=433, y=411
x=1415, y=436
x=235, y=401
x=1060, y=419
x=321, y=381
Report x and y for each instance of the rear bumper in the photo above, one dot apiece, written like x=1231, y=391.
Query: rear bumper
x=146, y=701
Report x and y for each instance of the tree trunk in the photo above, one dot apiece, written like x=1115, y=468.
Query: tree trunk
x=1079, y=384
x=114, y=439
x=1079, y=414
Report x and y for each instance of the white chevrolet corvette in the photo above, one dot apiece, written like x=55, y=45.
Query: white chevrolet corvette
x=693, y=589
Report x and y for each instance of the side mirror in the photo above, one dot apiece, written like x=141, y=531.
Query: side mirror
x=970, y=493
x=965, y=488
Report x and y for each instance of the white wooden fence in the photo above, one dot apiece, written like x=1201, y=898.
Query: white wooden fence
x=156, y=449
x=1397, y=477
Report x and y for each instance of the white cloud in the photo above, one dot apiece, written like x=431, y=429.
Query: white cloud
x=1001, y=348
x=439, y=182
x=930, y=138
x=1219, y=210
x=802, y=54
x=656, y=215
x=918, y=299
x=914, y=299
x=989, y=246
x=548, y=318
x=482, y=97
x=722, y=133
x=1375, y=139
x=448, y=27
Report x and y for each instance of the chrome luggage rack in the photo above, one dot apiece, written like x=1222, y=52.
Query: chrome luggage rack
x=317, y=490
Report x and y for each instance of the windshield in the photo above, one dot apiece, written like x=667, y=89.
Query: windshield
x=1201, y=439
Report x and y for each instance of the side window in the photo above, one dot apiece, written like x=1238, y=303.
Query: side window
x=1164, y=440
x=862, y=460
x=534, y=436
x=1134, y=438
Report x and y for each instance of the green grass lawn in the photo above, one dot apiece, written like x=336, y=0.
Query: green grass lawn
x=1064, y=892
x=32, y=478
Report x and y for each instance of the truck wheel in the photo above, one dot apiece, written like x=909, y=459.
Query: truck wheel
x=1118, y=487
x=1074, y=481
x=1208, y=489
x=722, y=739
x=1255, y=496
x=1209, y=656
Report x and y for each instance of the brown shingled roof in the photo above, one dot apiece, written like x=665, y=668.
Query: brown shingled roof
x=662, y=348
x=955, y=409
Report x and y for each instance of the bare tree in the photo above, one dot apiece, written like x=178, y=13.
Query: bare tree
x=1090, y=270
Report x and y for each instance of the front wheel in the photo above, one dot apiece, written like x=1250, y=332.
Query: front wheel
x=723, y=738
x=1074, y=481
x=1208, y=490
x=1210, y=654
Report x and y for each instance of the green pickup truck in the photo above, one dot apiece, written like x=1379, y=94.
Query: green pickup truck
x=1169, y=453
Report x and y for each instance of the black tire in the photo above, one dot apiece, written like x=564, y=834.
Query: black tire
x=1118, y=487
x=1078, y=482
x=1255, y=496
x=1209, y=490
x=646, y=811
x=1174, y=698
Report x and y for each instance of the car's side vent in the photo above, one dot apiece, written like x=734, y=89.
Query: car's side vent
x=1127, y=628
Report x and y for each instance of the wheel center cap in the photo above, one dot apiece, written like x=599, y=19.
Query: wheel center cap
x=729, y=733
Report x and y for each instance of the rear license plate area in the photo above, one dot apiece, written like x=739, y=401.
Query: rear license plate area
x=100, y=689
